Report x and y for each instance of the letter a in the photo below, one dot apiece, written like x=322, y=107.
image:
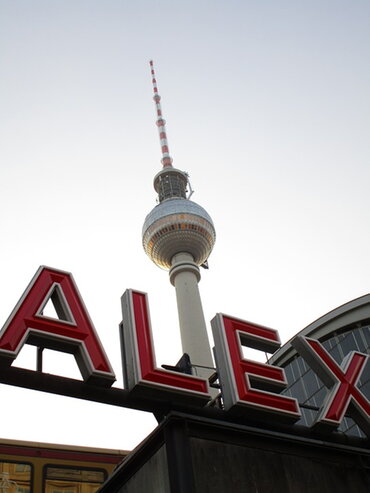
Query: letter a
x=73, y=332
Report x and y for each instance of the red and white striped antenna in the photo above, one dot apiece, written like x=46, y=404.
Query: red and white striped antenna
x=161, y=122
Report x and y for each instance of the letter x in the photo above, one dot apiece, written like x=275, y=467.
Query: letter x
x=342, y=380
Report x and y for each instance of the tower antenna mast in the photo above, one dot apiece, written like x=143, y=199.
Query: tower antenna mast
x=161, y=122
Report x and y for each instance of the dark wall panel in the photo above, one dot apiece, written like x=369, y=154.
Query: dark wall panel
x=221, y=467
x=151, y=478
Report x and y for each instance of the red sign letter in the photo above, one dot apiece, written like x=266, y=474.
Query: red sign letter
x=342, y=381
x=73, y=332
x=238, y=374
x=139, y=366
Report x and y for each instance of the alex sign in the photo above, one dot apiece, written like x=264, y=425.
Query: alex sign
x=248, y=387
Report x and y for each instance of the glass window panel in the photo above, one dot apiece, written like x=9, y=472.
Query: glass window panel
x=295, y=369
x=347, y=423
x=23, y=468
x=318, y=398
x=303, y=420
x=333, y=341
x=286, y=392
x=308, y=417
x=311, y=402
x=366, y=333
x=75, y=474
x=365, y=389
x=297, y=390
x=336, y=354
x=289, y=374
x=16, y=475
x=351, y=428
x=360, y=340
x=72, y=480
x=348, y=344
x=311, y=383
x=341, y=336
x=355, y=431
x=327, y=344
x=365, y=377
x=302, y=365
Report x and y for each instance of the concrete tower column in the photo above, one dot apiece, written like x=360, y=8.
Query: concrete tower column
x=185, y=275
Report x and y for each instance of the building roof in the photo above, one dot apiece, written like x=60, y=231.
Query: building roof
x=349, y=314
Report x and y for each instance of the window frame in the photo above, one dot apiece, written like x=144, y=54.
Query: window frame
x=69, y=467
x=23, y=463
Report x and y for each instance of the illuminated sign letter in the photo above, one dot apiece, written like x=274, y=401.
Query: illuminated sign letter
x=246, y=383
x=73, y=332
x=342, y=380
x=139, y=366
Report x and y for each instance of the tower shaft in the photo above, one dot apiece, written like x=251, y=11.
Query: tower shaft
x=185, y=275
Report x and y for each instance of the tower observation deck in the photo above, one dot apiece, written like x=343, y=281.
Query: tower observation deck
x=179, y=235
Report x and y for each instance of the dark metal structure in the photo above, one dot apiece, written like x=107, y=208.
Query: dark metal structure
x=189, y=454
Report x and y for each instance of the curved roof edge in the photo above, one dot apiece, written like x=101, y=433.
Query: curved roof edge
x=350, y=313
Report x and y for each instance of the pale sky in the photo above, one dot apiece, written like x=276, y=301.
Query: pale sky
x=267, y=107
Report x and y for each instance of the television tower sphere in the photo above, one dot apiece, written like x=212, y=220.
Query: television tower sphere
x=176, y=224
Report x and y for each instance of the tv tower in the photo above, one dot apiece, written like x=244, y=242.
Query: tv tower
x=179, y=235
